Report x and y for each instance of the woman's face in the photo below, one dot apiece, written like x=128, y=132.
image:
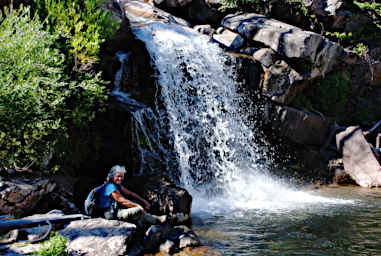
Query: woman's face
x=118, y=178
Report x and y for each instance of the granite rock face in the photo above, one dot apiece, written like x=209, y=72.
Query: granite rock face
x=287, y=40
x=359, y=160
x=22, y=195
x=98, y=237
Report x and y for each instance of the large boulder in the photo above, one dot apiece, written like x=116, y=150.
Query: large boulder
x=301, y=127
x=288, y=41
x=98, y=236
x=303, y=55
x=164, y=196
x=21, y=196
x=358, y=158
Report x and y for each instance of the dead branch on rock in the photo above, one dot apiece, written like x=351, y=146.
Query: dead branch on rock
x=7, y=225
x=13, y=238
x=25, y=168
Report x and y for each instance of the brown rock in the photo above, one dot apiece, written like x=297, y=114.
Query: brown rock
x=359, y=160
x=302, y=127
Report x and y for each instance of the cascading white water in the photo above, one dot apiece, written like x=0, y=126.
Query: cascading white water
x=215, y=147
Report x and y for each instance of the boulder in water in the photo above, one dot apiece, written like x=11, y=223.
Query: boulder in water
x=164, y=196
x=359, y=161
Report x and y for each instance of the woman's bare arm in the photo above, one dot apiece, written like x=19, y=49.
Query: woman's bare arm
x=117, y=196
x=128, y=192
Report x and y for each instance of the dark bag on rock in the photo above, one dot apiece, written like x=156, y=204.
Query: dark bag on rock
x=92, y=201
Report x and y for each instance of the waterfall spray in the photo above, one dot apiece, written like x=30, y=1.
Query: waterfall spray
x=216, y=150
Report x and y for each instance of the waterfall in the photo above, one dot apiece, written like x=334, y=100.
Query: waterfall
x=149, y=153
x=215, y=147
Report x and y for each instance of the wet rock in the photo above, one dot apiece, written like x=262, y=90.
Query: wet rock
x=155, y=235
x=134, y=10
x=229, y=39
x=279, y=82
x=168, y=247
x=188, y=240
x=204, y=29
x=164, y=196
x=265, y=56
x=98, y=237
x=198, y=251
x=301, y=127
x=358, y=158
x=22, y=195
x=248, y=70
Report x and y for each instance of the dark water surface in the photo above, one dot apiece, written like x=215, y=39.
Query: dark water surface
x=352, y=227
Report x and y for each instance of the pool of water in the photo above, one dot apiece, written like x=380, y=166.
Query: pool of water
x=347, y=224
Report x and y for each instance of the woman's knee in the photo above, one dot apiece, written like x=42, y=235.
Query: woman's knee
x=133, y=213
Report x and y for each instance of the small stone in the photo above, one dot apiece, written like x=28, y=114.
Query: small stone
x=167, y=247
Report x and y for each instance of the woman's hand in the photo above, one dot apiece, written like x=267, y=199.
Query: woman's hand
x=141, y=207
x=147, y=205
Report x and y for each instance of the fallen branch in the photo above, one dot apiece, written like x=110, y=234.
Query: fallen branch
x=8, y=225
x=24, y=169
x=13, y=239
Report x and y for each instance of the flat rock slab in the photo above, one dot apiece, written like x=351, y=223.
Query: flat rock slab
x=229, y=39
x=98, y=236
x=358, y=158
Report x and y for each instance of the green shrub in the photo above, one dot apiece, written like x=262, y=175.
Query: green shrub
x=82, y=26
x=55, y=246
x=38, y=100
x=334, y=89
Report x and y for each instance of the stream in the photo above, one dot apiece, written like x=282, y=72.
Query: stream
x=239, y=208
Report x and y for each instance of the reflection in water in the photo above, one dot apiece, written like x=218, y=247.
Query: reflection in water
x=326, y=229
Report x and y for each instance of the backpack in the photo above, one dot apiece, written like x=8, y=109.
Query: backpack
x=92, y=201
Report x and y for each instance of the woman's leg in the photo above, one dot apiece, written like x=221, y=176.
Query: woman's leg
x=135, y=214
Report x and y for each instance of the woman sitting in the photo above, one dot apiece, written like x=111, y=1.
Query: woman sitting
x=111, y=198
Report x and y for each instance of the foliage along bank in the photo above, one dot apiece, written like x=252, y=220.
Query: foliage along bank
x=49, y=81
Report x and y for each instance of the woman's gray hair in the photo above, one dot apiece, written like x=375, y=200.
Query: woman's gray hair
x=114, y=170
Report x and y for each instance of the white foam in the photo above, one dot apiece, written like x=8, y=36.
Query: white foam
x=210, y=135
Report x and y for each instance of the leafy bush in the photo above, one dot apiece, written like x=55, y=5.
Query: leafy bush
x=82, y=26
x=334, y=89
x=55, y=246
x=38, y=100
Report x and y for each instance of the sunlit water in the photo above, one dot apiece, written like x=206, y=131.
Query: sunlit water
x=352, y=228
x=244, y=210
